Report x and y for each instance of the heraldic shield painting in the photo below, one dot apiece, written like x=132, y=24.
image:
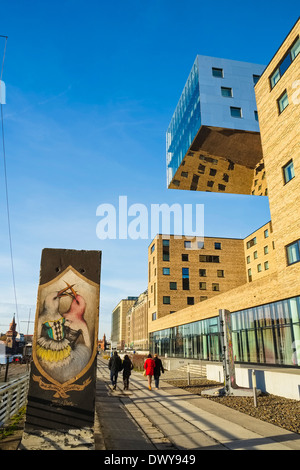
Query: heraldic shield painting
x=66, y=328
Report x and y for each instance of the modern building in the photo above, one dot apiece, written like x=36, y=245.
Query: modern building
x=137, y=324
x=118, y=322
x=213, y=140
x=265, y=307
x=182, y=273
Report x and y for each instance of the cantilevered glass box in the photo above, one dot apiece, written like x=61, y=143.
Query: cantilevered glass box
x=213, y=140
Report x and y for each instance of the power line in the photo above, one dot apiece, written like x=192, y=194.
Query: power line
x=6, y=190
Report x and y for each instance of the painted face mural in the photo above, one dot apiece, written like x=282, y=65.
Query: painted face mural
x=65, y=326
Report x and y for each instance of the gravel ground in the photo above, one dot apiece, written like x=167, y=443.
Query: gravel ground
x=280, y=411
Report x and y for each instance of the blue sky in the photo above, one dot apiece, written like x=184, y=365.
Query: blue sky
x=91, y=88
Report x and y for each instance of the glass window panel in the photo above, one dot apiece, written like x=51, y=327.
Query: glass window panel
x=283, y=102
x=275, y=77
x=293, y=253
x=295, y=49
x=289, y=172
x=236, y=112
x=226, y=92
x=285, y=64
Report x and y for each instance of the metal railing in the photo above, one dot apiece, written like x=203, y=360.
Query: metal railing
x=13, y=396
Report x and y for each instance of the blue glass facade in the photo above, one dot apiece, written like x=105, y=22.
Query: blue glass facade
x=268, y=334
x=184, y=124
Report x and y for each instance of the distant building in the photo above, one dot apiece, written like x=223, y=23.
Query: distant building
x=118, y=323
x=137, y=324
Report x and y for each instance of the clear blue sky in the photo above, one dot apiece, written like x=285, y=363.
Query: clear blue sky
x=91, y=88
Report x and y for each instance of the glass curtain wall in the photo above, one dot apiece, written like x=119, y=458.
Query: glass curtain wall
x=184, y=124
x=268, y=334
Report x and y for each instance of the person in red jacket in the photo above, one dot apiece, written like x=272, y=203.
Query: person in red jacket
x=149, y=369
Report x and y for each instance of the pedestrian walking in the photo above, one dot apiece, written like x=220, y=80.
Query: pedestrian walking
x=158, y=367
x=149, y=365
x=127, y=367
x=114, y=365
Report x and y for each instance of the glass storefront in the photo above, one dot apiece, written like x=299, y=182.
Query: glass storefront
x=268, y=334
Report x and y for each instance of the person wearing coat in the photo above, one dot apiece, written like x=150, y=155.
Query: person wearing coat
x=114, y=365
x=158, y=367
x=127, y=367
x=149, y=369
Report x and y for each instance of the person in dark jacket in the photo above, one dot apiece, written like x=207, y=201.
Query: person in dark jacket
x=127, y=367
x=114, y=365
x=158, y=367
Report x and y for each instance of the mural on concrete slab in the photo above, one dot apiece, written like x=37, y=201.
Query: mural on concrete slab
x=65, y=331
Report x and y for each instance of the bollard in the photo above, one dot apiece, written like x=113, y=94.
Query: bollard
x=188, y=374
x=254, y=388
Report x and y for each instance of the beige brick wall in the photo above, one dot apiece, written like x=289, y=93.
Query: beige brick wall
x=280, y=134
x=260, y=252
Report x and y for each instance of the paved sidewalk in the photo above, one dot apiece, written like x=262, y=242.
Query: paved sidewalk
x=173, y=419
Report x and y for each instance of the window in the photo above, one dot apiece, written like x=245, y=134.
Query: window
x=184, y=174
x=226, y=92
x=235, y=112
x=255, y=79
x=215, y=287
x=187, y=244
x=185, y=279
x=202, y=285
x=285, y=63
x=266, y=250
x=203, y=297
x=184, y=257
x=166, y=271
x=248, y=259
x=249, y=275
x=166, y=250
x=202, y=272
x=259, y=268
x=295, y=49
x=200, y=245
x=173, y=285
x=283, y=102
x=209, y=259
x=153, y=316
x=266, y=233
x=251, y=242
x=220, y=273
x=266, y=264
x=293, y=252
x=217, y=72
x=256, y=115
x=185, y=272
x=255, y=255
x=288, y=171
x=217, y=246
x=190, y=300
x=152, y=247
x=166, y=299
x=212, y=172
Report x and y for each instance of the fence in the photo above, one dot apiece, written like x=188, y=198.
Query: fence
x=12, y=397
